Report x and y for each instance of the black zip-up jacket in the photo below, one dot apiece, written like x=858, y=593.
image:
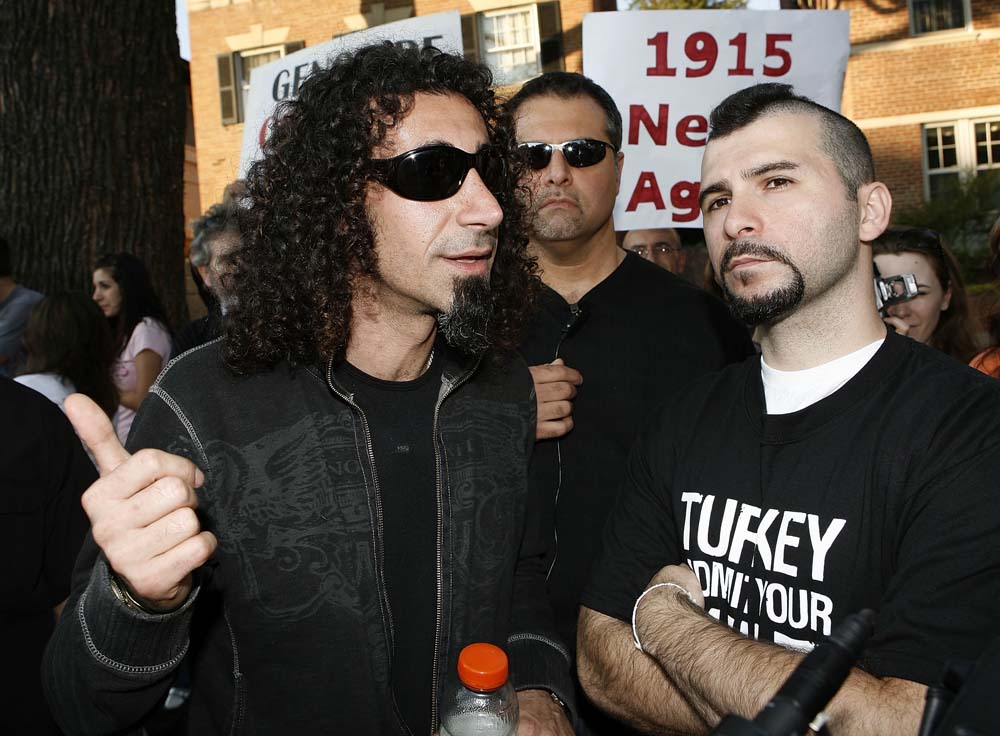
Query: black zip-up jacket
x=289, y=628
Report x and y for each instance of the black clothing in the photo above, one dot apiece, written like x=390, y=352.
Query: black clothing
x=636, y=337
x=883, y=495
x=43, y=473
x=400, y=421
x=290, y=628
x=198, y=332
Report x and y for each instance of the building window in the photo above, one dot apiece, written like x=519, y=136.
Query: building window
x=987, y=134
x=234, y=76
x=518, y=43
x=929, y=16
x=957, y=150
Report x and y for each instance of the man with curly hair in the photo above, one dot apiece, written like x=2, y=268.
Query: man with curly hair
x=356, y=446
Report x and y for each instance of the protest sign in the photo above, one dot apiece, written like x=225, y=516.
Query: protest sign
x=280, y=80
x=667, y=69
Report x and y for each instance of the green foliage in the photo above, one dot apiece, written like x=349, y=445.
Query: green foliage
x=964, y=216
x=686, y=4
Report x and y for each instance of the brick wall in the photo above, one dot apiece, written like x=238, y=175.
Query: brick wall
x=898, y=154
x=925, y=78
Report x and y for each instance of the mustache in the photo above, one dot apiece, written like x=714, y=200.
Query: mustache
x=542, y=197
x=754, y=249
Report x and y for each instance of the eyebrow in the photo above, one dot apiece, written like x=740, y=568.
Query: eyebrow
x=746, y=175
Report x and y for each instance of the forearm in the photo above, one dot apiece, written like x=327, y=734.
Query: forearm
x=628, y=683
x=722, y=672
x=106, y=667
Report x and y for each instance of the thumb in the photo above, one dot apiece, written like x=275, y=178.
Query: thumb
x=94, y=428
x=558, y=361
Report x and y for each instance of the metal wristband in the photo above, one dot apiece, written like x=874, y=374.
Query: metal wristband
x=123, y=595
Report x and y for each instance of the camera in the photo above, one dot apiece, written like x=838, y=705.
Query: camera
x=893, y=290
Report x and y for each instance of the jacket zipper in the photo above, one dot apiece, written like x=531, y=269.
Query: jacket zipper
x=435, y=673
x=379, y=544
x=379, y=553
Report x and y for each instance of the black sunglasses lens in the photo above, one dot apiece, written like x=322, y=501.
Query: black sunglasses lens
x=537, y=155
x=584, y=153
x=492, y=168
x=431, y=174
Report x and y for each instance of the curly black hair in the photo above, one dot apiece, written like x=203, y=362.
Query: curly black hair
x=308, y=239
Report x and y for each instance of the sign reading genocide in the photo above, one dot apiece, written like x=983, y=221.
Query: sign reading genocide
x=280, y=80
x=667, y=69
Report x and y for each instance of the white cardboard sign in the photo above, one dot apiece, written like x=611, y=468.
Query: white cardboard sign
x=280, y=80
x=667, y=69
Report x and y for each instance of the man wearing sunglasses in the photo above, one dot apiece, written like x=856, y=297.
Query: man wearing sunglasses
x=356, y=446
x=614, y=332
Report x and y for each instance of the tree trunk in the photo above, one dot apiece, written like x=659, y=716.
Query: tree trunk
x=92, y=141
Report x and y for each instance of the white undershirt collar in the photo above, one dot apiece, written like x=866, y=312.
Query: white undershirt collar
x=789, y=391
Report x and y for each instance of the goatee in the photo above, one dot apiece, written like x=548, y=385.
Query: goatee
x=768, y=308
x=465, y=326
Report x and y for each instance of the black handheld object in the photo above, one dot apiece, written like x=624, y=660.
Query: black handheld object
x=811, y=686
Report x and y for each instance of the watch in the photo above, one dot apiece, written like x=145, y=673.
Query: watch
x=126, y=598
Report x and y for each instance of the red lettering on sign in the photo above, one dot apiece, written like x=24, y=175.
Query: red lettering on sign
x=692, y=125
x=739, y=42
x=639, y=115
x=646, y=190
x=771, y=49
x=701, y=48
x=662, y=69
x=684, y=196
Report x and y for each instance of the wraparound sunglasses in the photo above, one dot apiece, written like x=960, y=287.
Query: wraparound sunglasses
x=578, y=153
x=432, y=173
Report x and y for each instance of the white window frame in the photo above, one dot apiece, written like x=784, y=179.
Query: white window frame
x=244, y=89
x=966, y=9
x=536, y=41
x=965, y=150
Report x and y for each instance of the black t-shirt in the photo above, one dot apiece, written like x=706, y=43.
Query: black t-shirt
x=882, y=495
x=636, y=337
x=43, y=472
x=400, y=418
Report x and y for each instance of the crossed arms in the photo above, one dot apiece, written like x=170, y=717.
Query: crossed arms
x=694, y=670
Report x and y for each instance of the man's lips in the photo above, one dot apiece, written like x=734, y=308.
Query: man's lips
x=558, y=202
x=746, y=262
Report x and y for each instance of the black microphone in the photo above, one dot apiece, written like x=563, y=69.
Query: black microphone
x=810, y=686
x=577, y=315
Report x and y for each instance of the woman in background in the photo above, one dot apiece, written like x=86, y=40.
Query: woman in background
x=988, y=361
x=123, y=291
x=69, y=350
x=939, y=314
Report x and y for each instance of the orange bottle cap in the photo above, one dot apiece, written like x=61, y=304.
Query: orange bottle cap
x=482, y=667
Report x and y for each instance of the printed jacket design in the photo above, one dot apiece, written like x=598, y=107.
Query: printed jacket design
x=290, y=630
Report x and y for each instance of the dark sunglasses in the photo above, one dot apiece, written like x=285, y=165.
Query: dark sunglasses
x=578, y=153
x=433, y=173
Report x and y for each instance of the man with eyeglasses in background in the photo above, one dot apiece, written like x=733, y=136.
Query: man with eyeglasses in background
x=356, y=446
x=613, y=335
x=661, y=245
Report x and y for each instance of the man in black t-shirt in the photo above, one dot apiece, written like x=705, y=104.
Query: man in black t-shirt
x=843, y=469
x=629, y=330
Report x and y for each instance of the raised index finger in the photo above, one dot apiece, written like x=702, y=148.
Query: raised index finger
x=94, y=428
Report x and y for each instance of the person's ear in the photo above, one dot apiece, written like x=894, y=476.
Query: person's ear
x=875, y=203
x=946, y=299
x=619, y=163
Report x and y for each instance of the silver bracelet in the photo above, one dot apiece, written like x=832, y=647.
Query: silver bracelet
x=126, y=598
x=635, y=608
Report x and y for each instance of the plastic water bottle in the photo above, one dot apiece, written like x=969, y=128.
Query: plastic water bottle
x=482, y=703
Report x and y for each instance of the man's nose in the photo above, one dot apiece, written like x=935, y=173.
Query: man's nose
x=480, y=208
x=558, y=171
